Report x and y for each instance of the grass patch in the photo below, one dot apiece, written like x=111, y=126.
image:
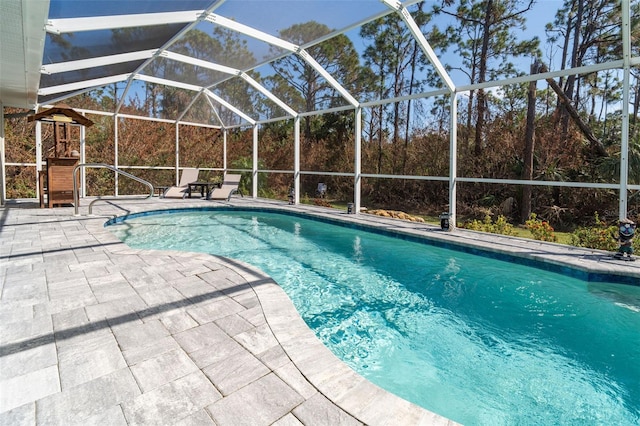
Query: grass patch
x=518, y=231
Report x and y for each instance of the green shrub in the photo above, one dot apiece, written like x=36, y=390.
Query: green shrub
x=501, y=226
x=598, y=237
x=540, y=229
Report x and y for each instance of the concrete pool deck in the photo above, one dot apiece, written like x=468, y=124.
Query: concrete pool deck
x=95, y=332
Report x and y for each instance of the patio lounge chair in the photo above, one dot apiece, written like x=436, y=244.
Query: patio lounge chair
x=182, y=190
x=227, y=189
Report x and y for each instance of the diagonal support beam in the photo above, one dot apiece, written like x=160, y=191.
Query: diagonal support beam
x=96, y=62
x=215, y=112
x=192, y=24
x=251, y=32
x=184, y=112
x=231, y=71
x=198, y=62
x=229, y=106
x=275, y=41
x=165, y=82
x=324, y=73
x=95, y=23
x=82, y=85
x=424, y=44
x=246, y=77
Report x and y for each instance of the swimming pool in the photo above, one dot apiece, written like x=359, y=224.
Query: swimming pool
x=475, y=339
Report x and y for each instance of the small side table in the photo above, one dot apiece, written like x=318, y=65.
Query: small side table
x=161, y=190
x=204, y=188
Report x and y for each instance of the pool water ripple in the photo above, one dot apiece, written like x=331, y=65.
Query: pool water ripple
x=477, y=340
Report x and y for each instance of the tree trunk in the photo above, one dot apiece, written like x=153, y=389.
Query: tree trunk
x=414, y=61
x=567, y=103
x=529, y=146
x=565, y=50
x=472, y=95
x=571, y=79
x=380, y=136
x=636, y=106
x=573, y=113
x=467, y=132
x=481, y=108
x=396, y=136
x=380, y=117
x=482, y=74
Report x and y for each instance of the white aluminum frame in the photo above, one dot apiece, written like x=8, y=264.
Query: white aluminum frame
x=194, y=17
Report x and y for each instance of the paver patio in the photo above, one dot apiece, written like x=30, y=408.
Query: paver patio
x=95, y=332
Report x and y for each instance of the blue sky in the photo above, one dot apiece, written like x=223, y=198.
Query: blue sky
x=271, y=16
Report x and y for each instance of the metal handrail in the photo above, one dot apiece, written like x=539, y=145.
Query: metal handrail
x=76, y=198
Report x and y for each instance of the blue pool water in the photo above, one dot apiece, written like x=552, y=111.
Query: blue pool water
x=478, y=340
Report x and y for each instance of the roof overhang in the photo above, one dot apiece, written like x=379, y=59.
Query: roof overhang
x=21, y=50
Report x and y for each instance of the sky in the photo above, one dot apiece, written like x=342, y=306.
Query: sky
x=271, y=16
x=341, y=14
